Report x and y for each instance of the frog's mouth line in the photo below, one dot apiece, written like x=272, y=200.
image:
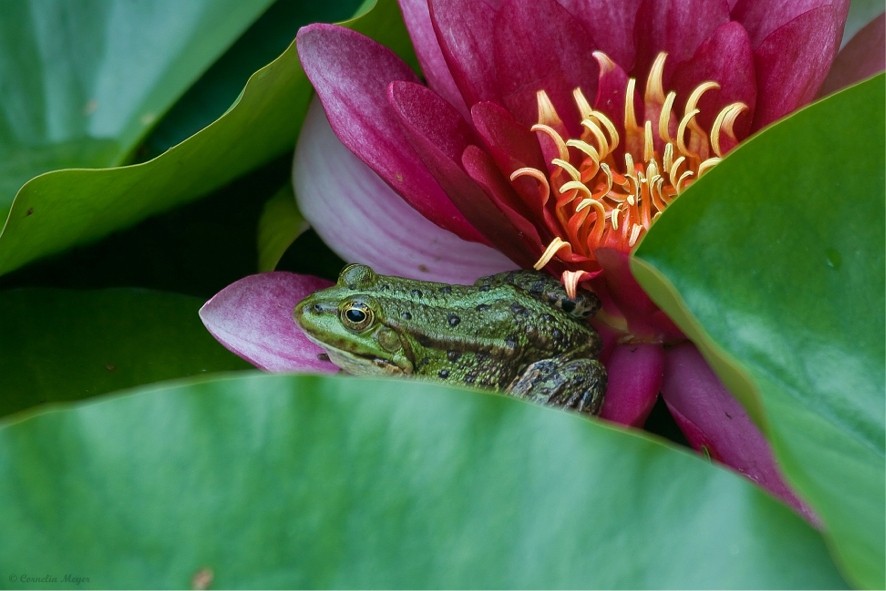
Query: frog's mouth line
x=356, y=364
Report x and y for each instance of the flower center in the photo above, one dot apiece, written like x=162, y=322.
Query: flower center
x=604, y=189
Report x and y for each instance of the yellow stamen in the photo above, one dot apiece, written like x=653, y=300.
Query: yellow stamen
x=552, y=133
x=591, y=202
x=654, y=90
x=576, y=186
x=607, y=186
x=567, y=167
x=664, y=119
x=570, y=282
x=723, y=123
x=630, y=116
x=648, y=143
x=681, y=132
x=555, y=245
x=547, y=114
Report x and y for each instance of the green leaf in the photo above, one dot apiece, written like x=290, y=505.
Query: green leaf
x=774, y=264
x=61, y=208
x=280, y=224
x=265, y=40
x=85, y=80
x=67, y=345
x=270, y=481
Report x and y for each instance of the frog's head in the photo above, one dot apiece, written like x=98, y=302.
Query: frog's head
x=348, y=322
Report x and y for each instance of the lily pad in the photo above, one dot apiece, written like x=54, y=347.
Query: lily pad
x=271, y=481
x=774, y=264
x=68, y=345
x=85, y=81
x=62, y=208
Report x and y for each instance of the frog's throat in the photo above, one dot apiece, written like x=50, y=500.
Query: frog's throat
x=358, y=365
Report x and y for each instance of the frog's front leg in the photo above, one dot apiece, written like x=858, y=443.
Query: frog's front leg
x=577, y=384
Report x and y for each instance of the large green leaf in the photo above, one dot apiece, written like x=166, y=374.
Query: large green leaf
x=774, y=264
x=61, y=208
x=84, y=80
x=66, y=345
x=270, y=481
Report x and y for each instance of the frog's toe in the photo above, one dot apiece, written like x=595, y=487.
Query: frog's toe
x=578, y=384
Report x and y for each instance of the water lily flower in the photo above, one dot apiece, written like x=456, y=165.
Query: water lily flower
x=544, y=134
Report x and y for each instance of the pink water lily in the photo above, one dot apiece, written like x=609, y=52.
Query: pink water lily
x=546, y=134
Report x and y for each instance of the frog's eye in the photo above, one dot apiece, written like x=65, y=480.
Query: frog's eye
x=356, y=315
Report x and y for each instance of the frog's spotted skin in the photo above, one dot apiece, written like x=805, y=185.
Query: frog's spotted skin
x=546, y=289
x=516, y=332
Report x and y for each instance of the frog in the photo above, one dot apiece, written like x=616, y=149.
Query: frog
x=516, y=332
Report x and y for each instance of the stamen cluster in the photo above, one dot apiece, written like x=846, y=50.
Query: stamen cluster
x=606, y=189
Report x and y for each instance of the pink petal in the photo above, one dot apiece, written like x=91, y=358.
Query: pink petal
x=611, y=91
x=440, y=135
x=725, y=57
x=760, y=19
x=351, y=73
x=714, y=421
x=635, y=376
x=482, y=170
x=677, y=27
x=617, y=284
x=553, y=52
x=253, y=318
x=793, y=61
x=610, y=24
x=418, y=21
x=511, y=145
x=464, y=32
x=363, y=220
x=862, y=57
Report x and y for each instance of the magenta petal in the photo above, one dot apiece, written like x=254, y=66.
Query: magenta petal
x=418, y=21
x=482, y=170
x=553, y=52
x=464, y=32
x=792, y=63
x=635, y=375
x=440, y=135
x=610, y=24
x=511, y=144
x=677, y=27
x=726, y=56
x=253, y=318
x=363, y=220
x=617, y=283
x=862, y=57
x=351, y=73
x=714, y=421
x=760, y=19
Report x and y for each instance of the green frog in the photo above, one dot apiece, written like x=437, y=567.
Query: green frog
x=517, y=332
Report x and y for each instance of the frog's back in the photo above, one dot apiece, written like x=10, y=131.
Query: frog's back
x=486, y=334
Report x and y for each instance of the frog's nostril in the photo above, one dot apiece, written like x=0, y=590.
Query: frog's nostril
x=318, y=308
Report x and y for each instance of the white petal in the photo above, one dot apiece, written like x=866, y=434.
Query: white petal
x=364, y=221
